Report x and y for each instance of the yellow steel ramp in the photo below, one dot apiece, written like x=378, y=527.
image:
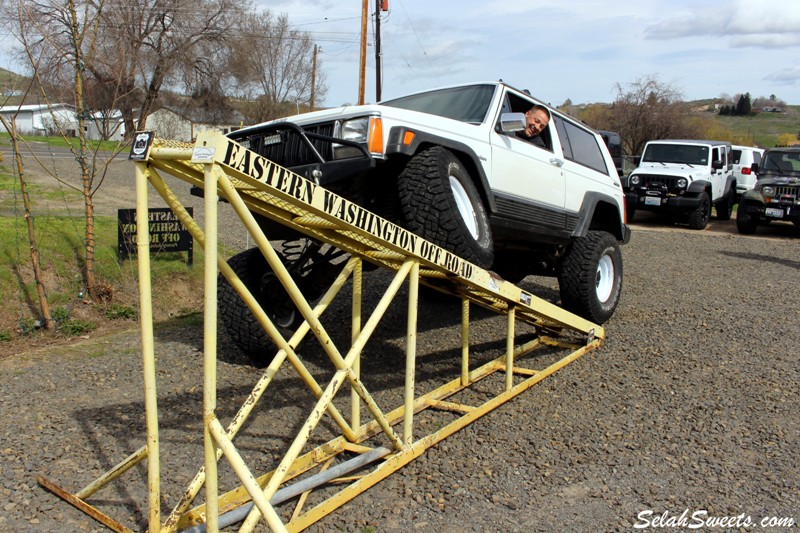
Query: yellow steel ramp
x=305, y=484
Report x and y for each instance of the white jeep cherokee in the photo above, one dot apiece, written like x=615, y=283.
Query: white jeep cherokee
x=447, y=164
x=683, y=178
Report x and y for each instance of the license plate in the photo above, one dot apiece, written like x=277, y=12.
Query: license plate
x=649, y=200
x=773, y=212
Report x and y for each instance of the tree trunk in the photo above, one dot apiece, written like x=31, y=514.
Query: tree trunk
x=49, y=323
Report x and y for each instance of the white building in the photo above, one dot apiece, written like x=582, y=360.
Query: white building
x=42, y=119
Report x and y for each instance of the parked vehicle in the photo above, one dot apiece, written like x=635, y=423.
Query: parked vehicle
x=614, y=143
x=683, y=178
x=743, y=158
x=447, y=164
x=776, y=194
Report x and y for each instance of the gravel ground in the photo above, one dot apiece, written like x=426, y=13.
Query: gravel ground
x=691, y=404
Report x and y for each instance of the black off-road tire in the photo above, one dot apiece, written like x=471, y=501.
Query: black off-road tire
x=441, y=204
x=745, y=224
x=725, y=206
x=698, y=219
x=590, y=276
x=237, y=319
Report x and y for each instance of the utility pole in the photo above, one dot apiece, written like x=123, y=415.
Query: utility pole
x=363, y=65
x=378, y=4
x=313, y=78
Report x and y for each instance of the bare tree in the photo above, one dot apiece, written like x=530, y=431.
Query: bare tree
x=58, y=40
x=274, y=65
x=144, y=44
x=648, y=109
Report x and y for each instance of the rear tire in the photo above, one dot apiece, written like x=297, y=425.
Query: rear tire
x=590, y=276
x=237, y=319
x=312, y=265
x=725, y=206
x=441, y=204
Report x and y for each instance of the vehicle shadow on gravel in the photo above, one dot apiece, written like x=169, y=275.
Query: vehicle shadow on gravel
x=763, y=258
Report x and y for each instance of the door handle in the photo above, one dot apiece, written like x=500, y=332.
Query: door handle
x=556, y=161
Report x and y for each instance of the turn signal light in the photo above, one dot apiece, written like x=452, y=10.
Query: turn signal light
x=375, y=142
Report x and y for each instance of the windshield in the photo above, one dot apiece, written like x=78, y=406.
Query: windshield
x=465, y=104
x=781, y=161
x=676, y=153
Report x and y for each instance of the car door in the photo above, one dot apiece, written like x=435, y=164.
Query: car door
x=585, y=166
x=527, y=180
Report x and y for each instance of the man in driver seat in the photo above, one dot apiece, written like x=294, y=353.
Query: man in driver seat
x=536, y=120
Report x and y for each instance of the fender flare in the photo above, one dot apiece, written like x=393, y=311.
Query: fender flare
x=698, y=186
x=588, y=208
x=395, y=146
x=730, y=184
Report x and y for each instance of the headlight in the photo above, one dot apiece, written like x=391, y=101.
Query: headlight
x=682, y=183
x=768, y=190
x=634, y=180
x=355, y=130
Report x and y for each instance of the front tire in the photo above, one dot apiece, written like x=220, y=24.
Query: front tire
x=590, y=276
x=441, y=204
x=746, y=224
x=698, y=219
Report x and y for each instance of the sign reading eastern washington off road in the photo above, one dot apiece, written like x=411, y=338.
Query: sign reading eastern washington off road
x=167, y=233
x=265, y=171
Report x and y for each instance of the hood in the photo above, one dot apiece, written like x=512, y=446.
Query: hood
x=680, y=170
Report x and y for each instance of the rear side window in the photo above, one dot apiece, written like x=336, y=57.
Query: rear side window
x=736, y=155
x=580, y=145
x=756, y=158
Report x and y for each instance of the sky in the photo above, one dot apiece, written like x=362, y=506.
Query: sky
x=559, y=49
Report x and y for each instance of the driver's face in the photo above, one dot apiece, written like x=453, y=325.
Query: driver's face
x=536, y=120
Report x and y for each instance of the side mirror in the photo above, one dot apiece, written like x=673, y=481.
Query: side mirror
x=717, y=164
x=511, y=122
x=754, y=169
x=637, y=159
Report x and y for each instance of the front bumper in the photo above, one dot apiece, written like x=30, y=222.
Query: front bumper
x=670, y=203
x=772, y=211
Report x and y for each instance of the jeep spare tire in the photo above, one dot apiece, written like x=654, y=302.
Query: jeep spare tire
x=441, y=204
x=590, y=276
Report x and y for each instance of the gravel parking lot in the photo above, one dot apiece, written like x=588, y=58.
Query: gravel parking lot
x=692, y=405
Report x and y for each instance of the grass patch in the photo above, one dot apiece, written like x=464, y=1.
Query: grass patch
x=70, y=142
x=763, y=129
x=62, y=257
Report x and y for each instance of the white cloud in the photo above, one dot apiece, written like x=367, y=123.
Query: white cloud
x=785, y=76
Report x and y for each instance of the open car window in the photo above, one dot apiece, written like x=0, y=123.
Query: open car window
x=516, y=104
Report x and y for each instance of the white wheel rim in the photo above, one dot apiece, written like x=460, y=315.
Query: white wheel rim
x=464, y=206
x=604, y=283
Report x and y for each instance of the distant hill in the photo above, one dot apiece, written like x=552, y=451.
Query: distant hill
x=12, y=87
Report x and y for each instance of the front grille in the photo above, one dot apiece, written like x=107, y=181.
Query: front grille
x=787, y=193
x=285, y=146
x=654, y=181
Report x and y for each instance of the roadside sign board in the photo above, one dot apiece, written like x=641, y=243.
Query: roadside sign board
x=167, y=233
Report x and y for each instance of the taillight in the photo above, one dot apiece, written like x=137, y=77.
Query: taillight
x=746, y=170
